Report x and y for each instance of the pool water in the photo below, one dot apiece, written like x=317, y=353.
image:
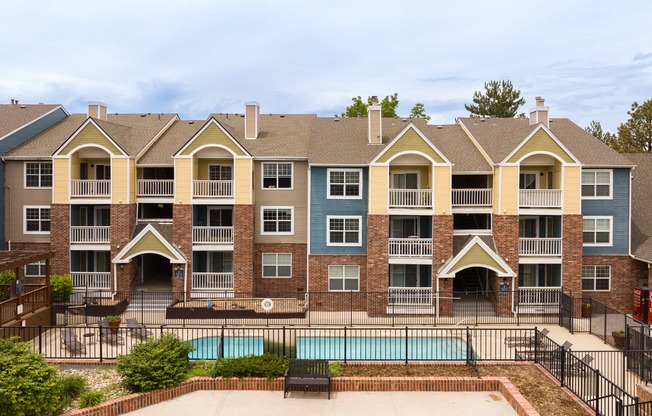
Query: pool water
x=207, y=348
x=381, y=349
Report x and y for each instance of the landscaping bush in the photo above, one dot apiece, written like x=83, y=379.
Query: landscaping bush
x=336, y=369
x=201, y=368
x=29, y=384
x=155, y=364
x=6, y=277
x=68, y=389
x=61, y=287
x=266, y=365
x=91, y=398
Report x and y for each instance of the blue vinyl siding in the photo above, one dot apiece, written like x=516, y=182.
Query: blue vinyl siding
x=618, y=208
x=321, y=207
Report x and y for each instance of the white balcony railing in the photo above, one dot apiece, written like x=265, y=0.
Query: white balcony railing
x=90, y=187
x=539, y=295
x=410, y=198
x=212, y=281
x=540, y=198
x=471, y=197
x=212, y=189
x=539, y=246
x=410, y=247
x=155, y=187
x=91, y=280
x=90, y=234
x=212, y=235
x=421, y=296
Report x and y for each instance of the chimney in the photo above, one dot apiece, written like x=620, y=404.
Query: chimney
x=97, y=110
x=539, y=114
x=375, y=122
x=252, y=109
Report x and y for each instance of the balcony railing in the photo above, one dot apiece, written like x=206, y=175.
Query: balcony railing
x=91, y=280
x=539, y=246
x=410, y=247
x=90, y=234
x=540, y=198
x=471, y=197
x=410, y=198
x=90, y=187
x=539, y=295
x=421, y=296
x=155, y=187
x=212, y=189
x=212, y=281
x=212, y=235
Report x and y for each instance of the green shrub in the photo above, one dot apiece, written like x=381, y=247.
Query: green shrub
x=336, y=369
x=69, y=388
x=61, y=287
x=266, y=365
x=29, y=384
x=201, y=368
x=155, y=364
x=91, y=398
x=6, y=277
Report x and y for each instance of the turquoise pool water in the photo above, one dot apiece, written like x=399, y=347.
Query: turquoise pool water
x=207, y=348
x=381, y=349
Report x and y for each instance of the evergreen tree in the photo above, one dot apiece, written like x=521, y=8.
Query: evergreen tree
x=500, y=99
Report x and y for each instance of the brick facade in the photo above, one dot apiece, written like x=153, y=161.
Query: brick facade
x=123, y=222
x=625, y=274
x=182, y=238
x=60, y=238
x=377, y=264
x=322, y=299
x=243, y=252
x=296, y=284
x=505, y=232
x=571, y=266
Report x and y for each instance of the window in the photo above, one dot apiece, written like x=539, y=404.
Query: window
x=597, y=231
x=342, y=278
x=277, y=220
x=219, y=173
x=596, y=184
x=277, y=175
x=37, y=220
x=596, y=277
x=277, y=264
x=344, y=231
x=102, y=172
x=35, y=269
x=345, y=184
x=528, y=180
x=38, y=174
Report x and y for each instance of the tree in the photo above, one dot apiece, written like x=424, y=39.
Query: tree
x=359, y=109
x=500, y=99
x=595, y=128
x=419, y=111
x=635, y=135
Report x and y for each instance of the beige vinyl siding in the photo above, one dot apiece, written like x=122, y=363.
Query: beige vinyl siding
x=556, y=175
x=242, y=176
x=61, y=180
x=495, y=194
x=443, y=189
x=182, y=180
x=150, y=243
x=17, y=197
x=477, y=256
x=410, y=141
x=509, y=190
x=378, y=188
x=212, y=135
x=572, y=190
x=90, y=135
x=541, y=142
x=120, y=181
x=296, y=197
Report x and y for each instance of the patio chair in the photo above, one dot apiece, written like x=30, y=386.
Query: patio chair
x=138, y=330
x=579, y=367
x=70, y=341
x=536, y=339
x=107, y=333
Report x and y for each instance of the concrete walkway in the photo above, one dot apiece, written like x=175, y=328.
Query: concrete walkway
x=257, y=403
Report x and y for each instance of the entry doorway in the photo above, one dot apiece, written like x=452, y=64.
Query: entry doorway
x=154, y=272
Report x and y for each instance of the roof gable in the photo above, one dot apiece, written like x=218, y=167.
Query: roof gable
x=89, y=134
x=212, y=134
x=541, y=140
x=410, y=139
x=477, y=254
x=149, y=240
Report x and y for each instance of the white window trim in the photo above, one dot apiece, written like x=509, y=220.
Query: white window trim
x=405, y=172
x=262, y=221
x=345, y=217
x=41, y=266
x=611, y=183
x=39, y=175
x=208, y=170
x=39, y=207
x=262, y=269
x=594, y=278
x=328, y=182
x=262, y=176
x=536, y=173
x=342, y=278
x=611, y=231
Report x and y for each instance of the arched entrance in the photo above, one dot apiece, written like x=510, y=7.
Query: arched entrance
x=154, y=272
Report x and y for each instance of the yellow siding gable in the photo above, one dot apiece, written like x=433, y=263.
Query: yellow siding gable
x=477, y=255
x=90, y=135
x=212, y=135
x=149, y=243
x=378, y=188
x=541, y=142
x=410, y=141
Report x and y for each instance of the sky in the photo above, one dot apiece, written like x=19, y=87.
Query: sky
x=590, y=60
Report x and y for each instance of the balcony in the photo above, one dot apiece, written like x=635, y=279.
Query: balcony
x=91, y=280
x=90, y=235
x=212, y=189
x=410, y=247
x=90, y=187
x=539, y=296
x=539, y=247
x=410, y=198
x=212, y=281
x=539, y=198
x=412, y=296
x=471, y=197
x=155, y=187
x=212, y=235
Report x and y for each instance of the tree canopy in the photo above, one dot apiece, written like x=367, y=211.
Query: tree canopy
x=359, y=108
x=499, y=99
x=635, y=135
x=419, y=111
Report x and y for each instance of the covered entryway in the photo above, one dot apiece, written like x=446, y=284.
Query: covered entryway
x=154, y=272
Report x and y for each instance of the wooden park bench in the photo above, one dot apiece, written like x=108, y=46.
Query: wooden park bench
x=308, y=374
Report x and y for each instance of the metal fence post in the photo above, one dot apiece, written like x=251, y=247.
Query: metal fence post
x=283, y=355
x=344, y=345
x=597, y=392
x=562, y=369
x=351, y=306
x=40, y=340
x=101, y=345
x=406, y=345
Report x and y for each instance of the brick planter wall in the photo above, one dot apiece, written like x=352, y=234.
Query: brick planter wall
x=60, y=238
x=297, y=283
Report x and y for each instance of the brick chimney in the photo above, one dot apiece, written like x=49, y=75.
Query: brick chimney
x=97, y=109
x=539, y=114
x=375, y=122
x=252, y=109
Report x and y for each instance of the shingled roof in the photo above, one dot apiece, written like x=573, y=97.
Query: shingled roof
x=15, y=116
x=641, y=203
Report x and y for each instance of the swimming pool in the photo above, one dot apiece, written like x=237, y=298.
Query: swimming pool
x=207, y=348
x=381, y=349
